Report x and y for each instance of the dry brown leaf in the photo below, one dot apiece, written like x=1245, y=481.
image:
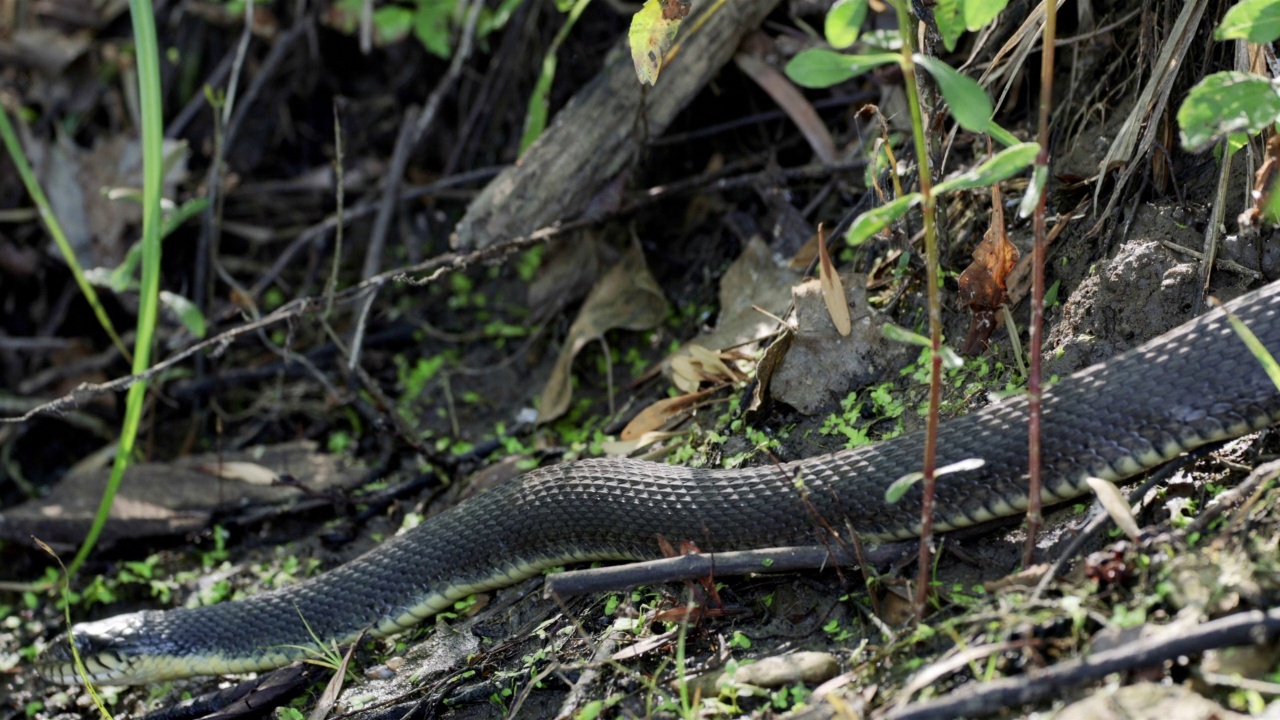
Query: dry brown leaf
x=627, y=297
x=75, y=180
x=713, y=365
x=656, y=415
x=754, y=280
x=696, y=364
x=982, y=284
x=245, y=472
x=832, y=288
x=569, y=267
x=622, y=448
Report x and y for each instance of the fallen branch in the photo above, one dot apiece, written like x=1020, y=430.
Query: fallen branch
x=1248, y=628
x=689, y=567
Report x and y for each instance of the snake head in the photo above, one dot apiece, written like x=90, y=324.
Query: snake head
x=112, y=651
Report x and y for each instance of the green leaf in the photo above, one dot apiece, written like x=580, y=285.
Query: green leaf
x=968, y=102
x=978, y=13
x=820, y=68
x=1001, y=166
x=1253, y=20
x=431, y=27
x=1039, y=179
x=948, y=15
x=1227, y=102
x=1000, y=135
x=1259, y=351
x=392, y=24
x=844, y=22
x=897, y=333
x=955, y=16
x=187, y=312
x=873, y=221
x=899, y=487
x=1271, y=204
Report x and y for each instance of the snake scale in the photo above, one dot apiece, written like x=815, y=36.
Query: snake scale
x=1197, y=384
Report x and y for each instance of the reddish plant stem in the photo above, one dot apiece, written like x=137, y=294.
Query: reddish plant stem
x=935, y=314
x=1037, y=288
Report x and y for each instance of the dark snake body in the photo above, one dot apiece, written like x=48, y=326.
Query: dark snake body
x=1196, y=384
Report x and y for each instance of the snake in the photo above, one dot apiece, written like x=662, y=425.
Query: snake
x=1197, y=384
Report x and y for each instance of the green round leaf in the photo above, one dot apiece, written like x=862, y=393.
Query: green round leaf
x=820, y=68
x=966, y=99
x=1224, y=103
x=844, y=22
x=1253, y=20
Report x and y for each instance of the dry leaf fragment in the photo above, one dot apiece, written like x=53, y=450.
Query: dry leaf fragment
x=982, y=284
x=1113, y=501
x=626, y=297
x=245, y=472
x=696, y=364
x=623, y=448
x=832, y=288
x=659, y=413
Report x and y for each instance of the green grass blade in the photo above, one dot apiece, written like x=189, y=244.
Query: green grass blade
x=55, y=229
x=148, y=68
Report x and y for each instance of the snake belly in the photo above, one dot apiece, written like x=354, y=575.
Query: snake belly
x=1197, y=384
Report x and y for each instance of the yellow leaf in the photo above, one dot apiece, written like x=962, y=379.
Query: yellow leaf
x=653, y=31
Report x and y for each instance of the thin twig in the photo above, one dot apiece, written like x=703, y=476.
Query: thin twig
x=410, y=137
x=435, y=267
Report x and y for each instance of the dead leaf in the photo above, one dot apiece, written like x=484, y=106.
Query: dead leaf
x=569, y=267
x=76, y=180
x=772, y=359
x=624, y=448
x=696, y=364
x=832, y=288
x=982, y=284
x=245, y=472
x=626, y=297
x=659, y=413
x=1113, y=501
x=755, y=279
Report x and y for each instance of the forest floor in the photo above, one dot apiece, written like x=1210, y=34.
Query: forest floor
x=378, y=375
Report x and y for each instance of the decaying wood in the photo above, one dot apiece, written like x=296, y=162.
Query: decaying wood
x=599, y=133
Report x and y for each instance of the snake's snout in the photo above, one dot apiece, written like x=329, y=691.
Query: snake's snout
x=110, y=649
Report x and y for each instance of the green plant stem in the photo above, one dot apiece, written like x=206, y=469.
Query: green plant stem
x=935, y=312
x=1034, y=387
x=148, y=67
x=55, y=228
